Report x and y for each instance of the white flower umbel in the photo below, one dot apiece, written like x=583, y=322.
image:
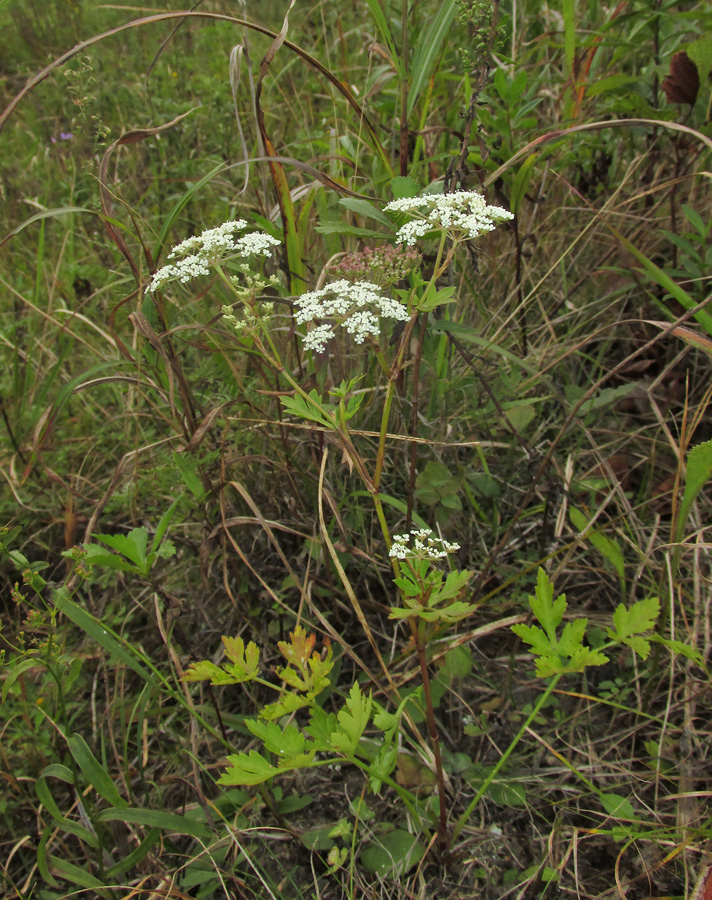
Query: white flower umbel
x=465, y=214
x=195, y=255
x=358, y=305
x=420, y=544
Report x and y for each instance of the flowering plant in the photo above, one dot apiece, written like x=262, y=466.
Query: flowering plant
x=463, y=214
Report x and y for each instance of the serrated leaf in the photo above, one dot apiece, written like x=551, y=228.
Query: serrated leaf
x=206, y=671
x=549, y=612
x=312, y=412
x=321, y=726
x=678, y=647
x=245, y=660
x=132, y=545
x=285, y=706
x=248, y=768
x=640, y=617
x=533, y=636
x=285, y=743
x=352, y=719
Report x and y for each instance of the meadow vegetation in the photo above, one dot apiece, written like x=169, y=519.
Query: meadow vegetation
x=355, y=449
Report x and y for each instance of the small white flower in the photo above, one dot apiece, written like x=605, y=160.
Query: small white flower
x=465, y=212
x=420, y=544
x=359, y=305
x=195, y=255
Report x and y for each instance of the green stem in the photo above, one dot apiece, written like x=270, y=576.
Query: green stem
x=505, y=756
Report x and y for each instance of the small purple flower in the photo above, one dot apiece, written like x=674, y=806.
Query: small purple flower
x=63, y=136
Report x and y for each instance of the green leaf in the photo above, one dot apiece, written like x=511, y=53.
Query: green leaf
x=385, y=33
x=404, y=186
x=393, y=854
x=534, y=636
x=18, y=669
x=286, y=742
x=366, y=209
x=132, y=545
x=248, y=768
x=352, y=719
x=93, y=771
x=47, y=800
x=548, y=612
x=428, y=47
x=609, y=549
x=135, y=857
x=103, y=636
x=628, y=623
x=699, y=470
x=313, y=412
x=156, y=818
x=617, y=806
x=164, y=524
x=659, y=277
x=520, y=184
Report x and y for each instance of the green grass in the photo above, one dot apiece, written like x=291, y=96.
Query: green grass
x=553, y=416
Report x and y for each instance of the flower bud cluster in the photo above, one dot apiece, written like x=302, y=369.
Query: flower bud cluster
x=195, y=255
x=464, y=214
x=357, y=304
x=420, y=544
x=382, y=265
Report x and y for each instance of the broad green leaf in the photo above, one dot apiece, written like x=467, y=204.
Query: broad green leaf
x=132, y=545
x=404, y=186
x=617, y=806
x=678, y=647
x=548, y=611
x=366, y=209
x=393, y=854
x=93, y=771
x=207, y=671
x=699, y=470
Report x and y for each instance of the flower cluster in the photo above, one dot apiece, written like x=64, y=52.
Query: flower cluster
x=382, y=265
x=359, y=305
x=422, y=546
x=195, y=255
x=466, y=213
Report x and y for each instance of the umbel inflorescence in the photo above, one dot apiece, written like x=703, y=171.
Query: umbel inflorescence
x=195, y=255
x=464, y=214
x=420, y=544
x=358, y=304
